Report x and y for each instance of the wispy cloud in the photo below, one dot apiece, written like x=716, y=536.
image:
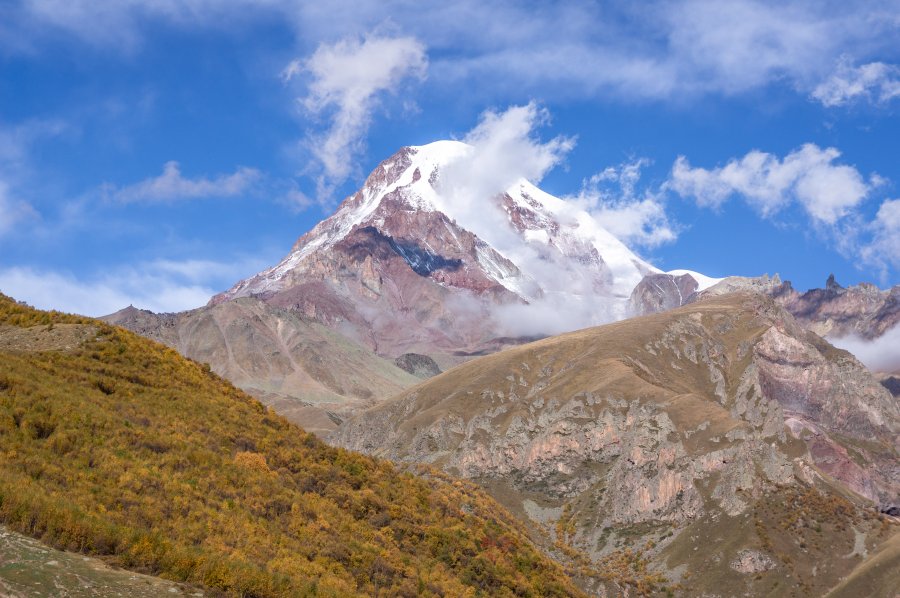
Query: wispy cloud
x=636, y=217
x=657, y=49
x=172, y=186
x=808, y=175
x=504, y=149
x=346, y=80
x=15, y=169
x=160, y=285
x=122, y=23
x=882, y=249
x=876, y=82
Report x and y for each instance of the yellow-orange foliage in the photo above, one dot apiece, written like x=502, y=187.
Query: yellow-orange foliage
x=122, y=448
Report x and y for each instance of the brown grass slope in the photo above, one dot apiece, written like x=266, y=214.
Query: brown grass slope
x=121, y=448
x=657, y=448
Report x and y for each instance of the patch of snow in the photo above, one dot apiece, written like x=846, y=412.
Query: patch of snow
x=703, y=281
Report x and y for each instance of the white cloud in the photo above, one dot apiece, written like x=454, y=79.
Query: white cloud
x=879, y=355
x=826, y=190
x=882, y=250
x=876, y=81
x=655, y=49
x=346, y=80
x=636, y=219
x=160, y=286
x=503, y=151
x=172, y=186
x=831, y=194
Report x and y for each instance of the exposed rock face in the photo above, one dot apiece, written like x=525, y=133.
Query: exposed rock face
x=659, y=423
x=752, y=561
x=661, y=292
x=420, y=366
x=834, y=311
x=892, y=383
x=305, y=370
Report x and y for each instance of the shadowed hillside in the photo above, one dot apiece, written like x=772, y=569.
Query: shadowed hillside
x=114, y=445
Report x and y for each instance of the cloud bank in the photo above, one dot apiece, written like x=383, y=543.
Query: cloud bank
x=504, y=150
x=160, y=286
x=879, y=355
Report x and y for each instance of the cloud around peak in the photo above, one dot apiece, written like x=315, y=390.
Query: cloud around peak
x=637, y=217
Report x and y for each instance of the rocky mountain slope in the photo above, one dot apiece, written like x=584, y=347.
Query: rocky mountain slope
x=402, y=281
x=717, y=445
x=308, y=372
x=834, y=311
x=118, y=447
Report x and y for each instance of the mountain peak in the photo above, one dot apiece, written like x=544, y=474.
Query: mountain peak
x=427, y=223
x=832, y=285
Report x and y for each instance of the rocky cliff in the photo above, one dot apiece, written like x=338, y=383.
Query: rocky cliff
x=834, y=311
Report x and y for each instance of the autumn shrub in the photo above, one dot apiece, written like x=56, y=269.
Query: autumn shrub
x=123, y=449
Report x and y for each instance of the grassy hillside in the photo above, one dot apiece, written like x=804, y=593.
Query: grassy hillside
x=120, y=447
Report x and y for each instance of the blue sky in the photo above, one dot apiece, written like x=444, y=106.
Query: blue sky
x=155, y=152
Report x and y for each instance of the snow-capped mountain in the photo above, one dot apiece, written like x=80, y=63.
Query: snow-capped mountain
x=413, y=259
